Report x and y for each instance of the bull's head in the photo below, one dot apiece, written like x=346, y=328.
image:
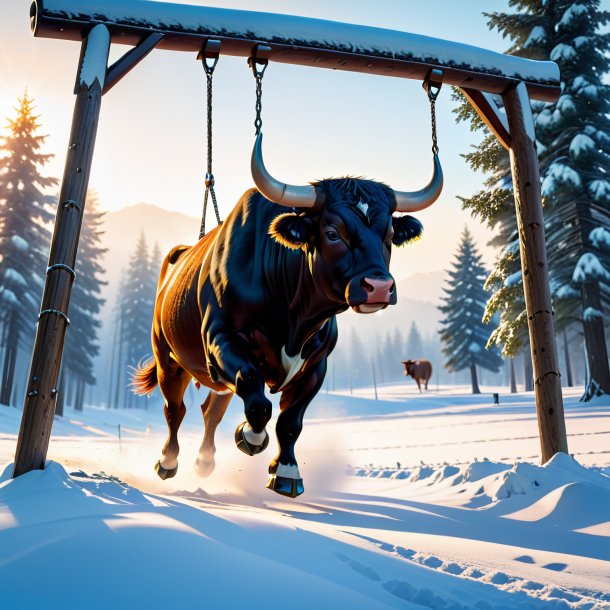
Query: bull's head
x=347, y=228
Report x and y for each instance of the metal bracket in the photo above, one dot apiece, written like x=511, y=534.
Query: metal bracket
x=70, y=203
x=209, y=54
x=259, y=59
x=62, y=266
x=432, y=83
x=130, y=60
x=46, y=312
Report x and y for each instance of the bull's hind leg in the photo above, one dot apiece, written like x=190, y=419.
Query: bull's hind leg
x=173, y=381
x=213, y=410
x=285, y=476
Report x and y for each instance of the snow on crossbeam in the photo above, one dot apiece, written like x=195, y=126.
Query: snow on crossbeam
x=297, y=40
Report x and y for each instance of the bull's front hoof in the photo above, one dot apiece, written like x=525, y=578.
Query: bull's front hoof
x=204, y=468
x=285, y=486
x=164, y=473
x=247, y=447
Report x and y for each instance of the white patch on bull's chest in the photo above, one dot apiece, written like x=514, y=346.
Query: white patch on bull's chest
x=292, y=365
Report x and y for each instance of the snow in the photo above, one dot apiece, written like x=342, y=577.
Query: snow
x=567, y=292
x=573, y=11
x=8, y=297
x=559, y=174
x=536, y=37
x=95, y=59
x=580, y=144
x=565, y=104
x=11, y=276
x=19, y=243
x=513, y=279
x=444, y=529
x=588, y=268
x=580, y=41
x=600, y=237
x=563, y=52
x=599, y=189
x=591, y=313
x=306, y=32
x=547, y=117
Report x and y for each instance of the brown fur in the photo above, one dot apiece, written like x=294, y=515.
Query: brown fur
x=420, y=370
x=144, y=378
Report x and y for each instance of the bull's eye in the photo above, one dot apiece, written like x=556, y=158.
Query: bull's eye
x=333, y=235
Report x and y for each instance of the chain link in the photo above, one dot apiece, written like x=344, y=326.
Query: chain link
x=433, y=113
x=258, y=121
x=209, y=176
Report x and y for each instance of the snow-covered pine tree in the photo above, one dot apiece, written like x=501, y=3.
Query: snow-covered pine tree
x=572, y=144
x=137, y=307
x=575, y=161
x=82, y=345
x=359, y=361
x=463, y=333
x=414, y=345
x=25, y=213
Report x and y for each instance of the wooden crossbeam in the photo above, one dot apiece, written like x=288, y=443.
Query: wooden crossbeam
x=298, y=40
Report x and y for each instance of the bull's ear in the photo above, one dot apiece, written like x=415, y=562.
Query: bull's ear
x=406, y=230
x=291, y=230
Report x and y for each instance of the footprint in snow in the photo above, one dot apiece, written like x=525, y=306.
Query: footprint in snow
x=525, y=559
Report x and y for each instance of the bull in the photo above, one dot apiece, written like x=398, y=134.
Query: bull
x=254, y=303
x=420, y=370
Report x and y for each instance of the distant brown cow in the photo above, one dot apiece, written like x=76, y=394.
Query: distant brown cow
x=420, y=370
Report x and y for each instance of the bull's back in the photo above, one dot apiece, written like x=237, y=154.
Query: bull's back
x=177, y=313
x=423, y=369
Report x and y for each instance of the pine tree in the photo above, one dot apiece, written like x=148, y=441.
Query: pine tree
x=415, y=344
x=25, y=213
x=137, y=307
x=573, y=144
x=82, y=346
x=463, y=334
x=359, y=363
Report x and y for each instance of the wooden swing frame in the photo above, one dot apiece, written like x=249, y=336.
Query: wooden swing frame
x=146, y=25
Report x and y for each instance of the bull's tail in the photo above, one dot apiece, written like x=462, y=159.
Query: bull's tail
x=144, y=378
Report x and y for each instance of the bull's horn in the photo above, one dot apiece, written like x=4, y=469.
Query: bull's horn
x=274, y=190
x=413, y=202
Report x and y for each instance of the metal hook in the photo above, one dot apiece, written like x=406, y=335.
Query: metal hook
x=432, y=83
x=209, y=54
x=259, y=60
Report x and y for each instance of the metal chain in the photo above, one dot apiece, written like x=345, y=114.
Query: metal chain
x=258, y=121
x=258, y=66
x=432, y=85
x=433, y=112
x=209, y=176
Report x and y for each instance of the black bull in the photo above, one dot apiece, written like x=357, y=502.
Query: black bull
x=254, y=303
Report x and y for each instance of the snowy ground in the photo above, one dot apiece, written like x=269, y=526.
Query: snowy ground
x=435, y=501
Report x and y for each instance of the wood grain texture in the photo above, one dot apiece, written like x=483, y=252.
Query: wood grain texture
x=528, y=204
x=41, y=395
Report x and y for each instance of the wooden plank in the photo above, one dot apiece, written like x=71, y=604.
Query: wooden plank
x=39, y=405
x=491, y=115
x=122, y=66
x=528, y=203
x=298, y=40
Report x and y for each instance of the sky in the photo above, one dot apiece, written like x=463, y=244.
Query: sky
x=317, y=123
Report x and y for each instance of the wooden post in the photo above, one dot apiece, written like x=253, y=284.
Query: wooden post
x=528, y=203
x=374, y=378
x=39, y=405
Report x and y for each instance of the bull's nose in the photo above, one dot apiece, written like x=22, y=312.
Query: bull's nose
x=379, y=289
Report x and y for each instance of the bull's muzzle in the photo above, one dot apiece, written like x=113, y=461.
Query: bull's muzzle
x=371, y=294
